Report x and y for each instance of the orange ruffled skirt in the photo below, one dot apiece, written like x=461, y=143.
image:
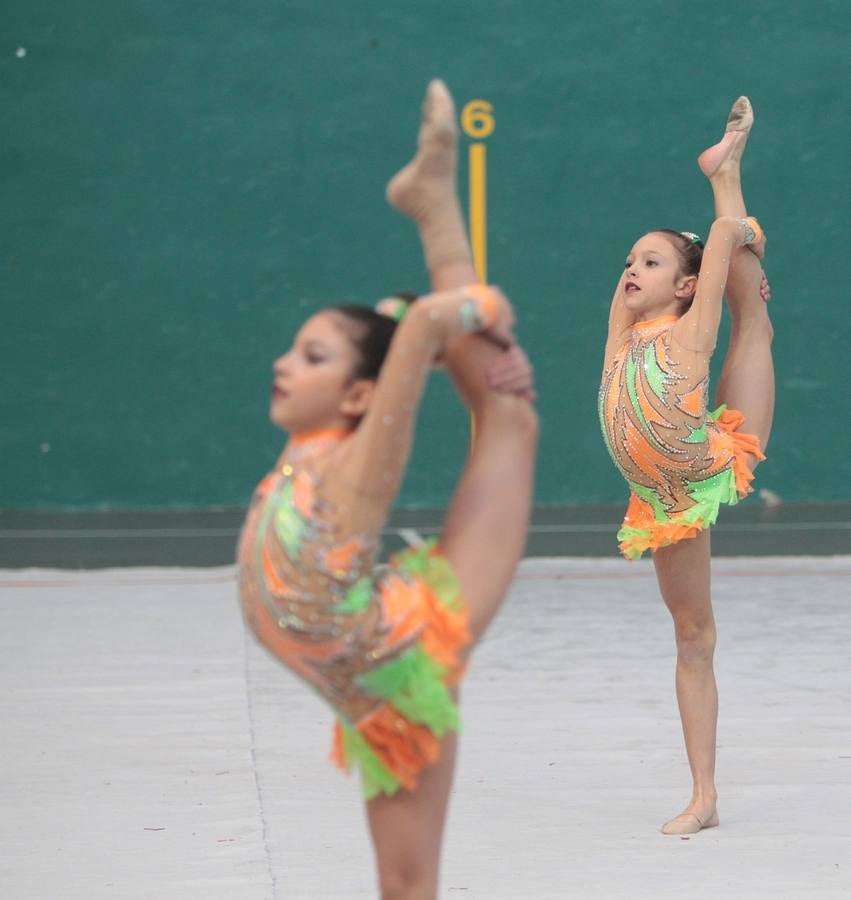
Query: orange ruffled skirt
x=394, y=742
x=647, y=528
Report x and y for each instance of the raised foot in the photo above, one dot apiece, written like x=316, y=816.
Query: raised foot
x=429, y=177
x=741, y=115
x=725, y=156
x=689, y=823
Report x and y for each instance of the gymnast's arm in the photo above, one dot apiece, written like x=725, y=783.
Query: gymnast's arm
x=375, y=462
x=620, y=319
x=697, y=330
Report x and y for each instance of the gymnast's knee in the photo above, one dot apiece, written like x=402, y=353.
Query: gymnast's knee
x=404, y=878
x=695, y=640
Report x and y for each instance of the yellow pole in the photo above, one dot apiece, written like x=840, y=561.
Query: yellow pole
x=479, y=209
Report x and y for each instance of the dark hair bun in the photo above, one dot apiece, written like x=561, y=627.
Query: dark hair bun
x=374, y=329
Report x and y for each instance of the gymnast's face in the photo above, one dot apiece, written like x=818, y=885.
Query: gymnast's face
x=652, y=283
x=313, y=387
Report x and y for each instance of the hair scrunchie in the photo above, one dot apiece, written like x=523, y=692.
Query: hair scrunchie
x=393, y=307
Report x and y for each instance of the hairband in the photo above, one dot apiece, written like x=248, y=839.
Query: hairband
x=690, y=236
x=393, y=307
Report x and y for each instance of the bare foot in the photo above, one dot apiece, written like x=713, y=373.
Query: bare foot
x=429, y=178
x=694, y=818
x=724, y=157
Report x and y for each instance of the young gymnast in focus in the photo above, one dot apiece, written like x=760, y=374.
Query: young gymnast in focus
x=386, y=647
x=681, y=460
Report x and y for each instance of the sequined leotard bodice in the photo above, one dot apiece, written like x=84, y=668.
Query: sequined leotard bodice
x=680, y=460
x=379, y=645
x=297, y=581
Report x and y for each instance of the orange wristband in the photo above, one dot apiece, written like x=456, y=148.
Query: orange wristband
x=481, y=311
x=753, y=230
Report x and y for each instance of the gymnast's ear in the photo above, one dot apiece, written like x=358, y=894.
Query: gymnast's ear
x=357, y=398
x=686, y=288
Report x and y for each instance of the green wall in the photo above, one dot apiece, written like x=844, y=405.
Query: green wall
x=182, y=183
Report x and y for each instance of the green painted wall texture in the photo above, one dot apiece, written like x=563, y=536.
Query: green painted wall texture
x=182, y=183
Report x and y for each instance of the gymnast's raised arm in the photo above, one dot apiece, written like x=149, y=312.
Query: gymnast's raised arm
x=380, y=446
x=621, y=319
x=697, y=329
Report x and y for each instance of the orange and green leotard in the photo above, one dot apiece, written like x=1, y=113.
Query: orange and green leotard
x=381, y=645
x=680, y=460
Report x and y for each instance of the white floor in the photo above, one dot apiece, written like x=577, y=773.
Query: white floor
x=150, y=750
